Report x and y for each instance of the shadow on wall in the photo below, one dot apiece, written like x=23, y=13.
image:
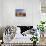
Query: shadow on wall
x=25, y=28
x=3, y=29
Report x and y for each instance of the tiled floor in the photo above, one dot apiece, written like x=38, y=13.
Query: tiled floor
x=41, y=43
x=13, y=44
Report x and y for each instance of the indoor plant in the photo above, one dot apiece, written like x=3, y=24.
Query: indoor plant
x=41, y=27
x=34, y=39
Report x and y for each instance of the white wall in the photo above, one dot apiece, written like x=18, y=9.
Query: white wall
x=0, y=12
x=36, y=12
x=32, y=8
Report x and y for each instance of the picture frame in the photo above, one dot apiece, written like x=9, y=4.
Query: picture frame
x=20, y=13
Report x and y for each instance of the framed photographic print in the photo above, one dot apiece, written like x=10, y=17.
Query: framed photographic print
x=20, y=13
